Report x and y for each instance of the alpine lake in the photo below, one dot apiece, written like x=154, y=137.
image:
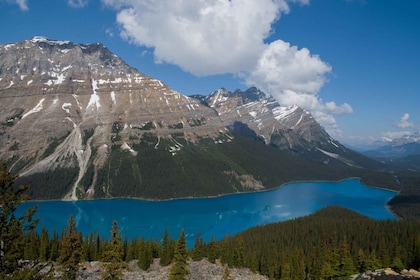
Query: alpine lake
x=217, y=217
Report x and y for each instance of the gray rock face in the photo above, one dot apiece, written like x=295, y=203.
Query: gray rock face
x=289, y=128
x=66, y=105
x=88, y=98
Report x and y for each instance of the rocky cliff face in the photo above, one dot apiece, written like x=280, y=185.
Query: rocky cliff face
x=83, y=97
x=67, y=106
x=289, y=128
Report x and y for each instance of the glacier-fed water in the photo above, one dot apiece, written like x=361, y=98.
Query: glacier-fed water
x=209, y=217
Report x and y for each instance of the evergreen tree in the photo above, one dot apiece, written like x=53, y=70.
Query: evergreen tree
x=167, y=250
x=132, y=250
x=346, y=265
x=179, y=269
x=145, y=256
x=30, y=250
x=70, y=250
x=239, y=252
x=253, y=266
x=44, y=245
x=113, y=255
x=197, y=253
x=54, y=247
x=12, y=228
x=212, y=250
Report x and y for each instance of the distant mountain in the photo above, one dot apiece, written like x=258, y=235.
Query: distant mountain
x=403, y=151
x=78, y=122
x=397, y=147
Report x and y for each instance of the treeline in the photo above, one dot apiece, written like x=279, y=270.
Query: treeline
x=203, y=168
x=330, y=244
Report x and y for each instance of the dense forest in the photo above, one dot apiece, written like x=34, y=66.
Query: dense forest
x=330, y=244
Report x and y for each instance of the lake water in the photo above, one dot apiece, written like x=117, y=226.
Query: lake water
x=219, y=216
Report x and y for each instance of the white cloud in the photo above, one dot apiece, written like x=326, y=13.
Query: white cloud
x=77, y=3
x=202, y=37
x=23, y=4
x=221, y=36
x=404, y=123
x=395, y=134
x=283, y=67
x=295, y=76
x=110, y=32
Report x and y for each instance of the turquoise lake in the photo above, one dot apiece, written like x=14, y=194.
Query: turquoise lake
x=218, y=216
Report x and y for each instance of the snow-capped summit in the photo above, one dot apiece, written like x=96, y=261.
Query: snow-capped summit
x=42, y=39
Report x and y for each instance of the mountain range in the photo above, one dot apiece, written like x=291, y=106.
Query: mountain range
x=77, y=122
x=402, y=151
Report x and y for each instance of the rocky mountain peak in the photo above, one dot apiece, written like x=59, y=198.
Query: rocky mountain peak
x=69, y=106
x=64, y=105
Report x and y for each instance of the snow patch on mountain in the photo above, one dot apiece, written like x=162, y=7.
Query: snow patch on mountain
x=284, y=112
x=36, y=109
x=94, y=98
x=42, y=39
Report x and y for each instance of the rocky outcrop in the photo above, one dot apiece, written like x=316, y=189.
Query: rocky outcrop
x=199, y=270
x=388, y=274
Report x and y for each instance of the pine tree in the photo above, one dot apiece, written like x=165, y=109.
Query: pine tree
x=70, y=250
x=54, y=247
x=197, y=253
x=167, y=250
x=145, y=256
x=113, y=255
x=44, y=245
x=12, y=228
x=239, y=252
x=212, y=250
x=132, y=250
x=30, y=251
x=346, y=265
x=179, y=269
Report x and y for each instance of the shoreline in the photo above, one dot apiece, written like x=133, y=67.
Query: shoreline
x=386, y=206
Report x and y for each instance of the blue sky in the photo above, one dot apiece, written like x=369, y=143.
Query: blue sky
x=354, y=64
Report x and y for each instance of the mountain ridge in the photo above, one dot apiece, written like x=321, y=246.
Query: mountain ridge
x=81, y=114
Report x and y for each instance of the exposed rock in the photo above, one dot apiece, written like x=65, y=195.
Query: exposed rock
x=201, y=270
x=67, y=106
x=387, y=274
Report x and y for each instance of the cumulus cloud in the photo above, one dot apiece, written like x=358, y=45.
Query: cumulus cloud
x=77, y=3
x=395, y=134
x=404, y=123
x=221, y=36
x=23, y=4
x=202, y=37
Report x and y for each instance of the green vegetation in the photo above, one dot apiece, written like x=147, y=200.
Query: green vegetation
x=12, y=228
x=113, y=255
x=176, y=126
x=52, y=185
x=12, y=120
x=147, y=126
x=330, y=244
x=88, y=133
x=163, y=169
x=196, y=122
x=179, y=269
x=70, y=250
x=53, y=143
